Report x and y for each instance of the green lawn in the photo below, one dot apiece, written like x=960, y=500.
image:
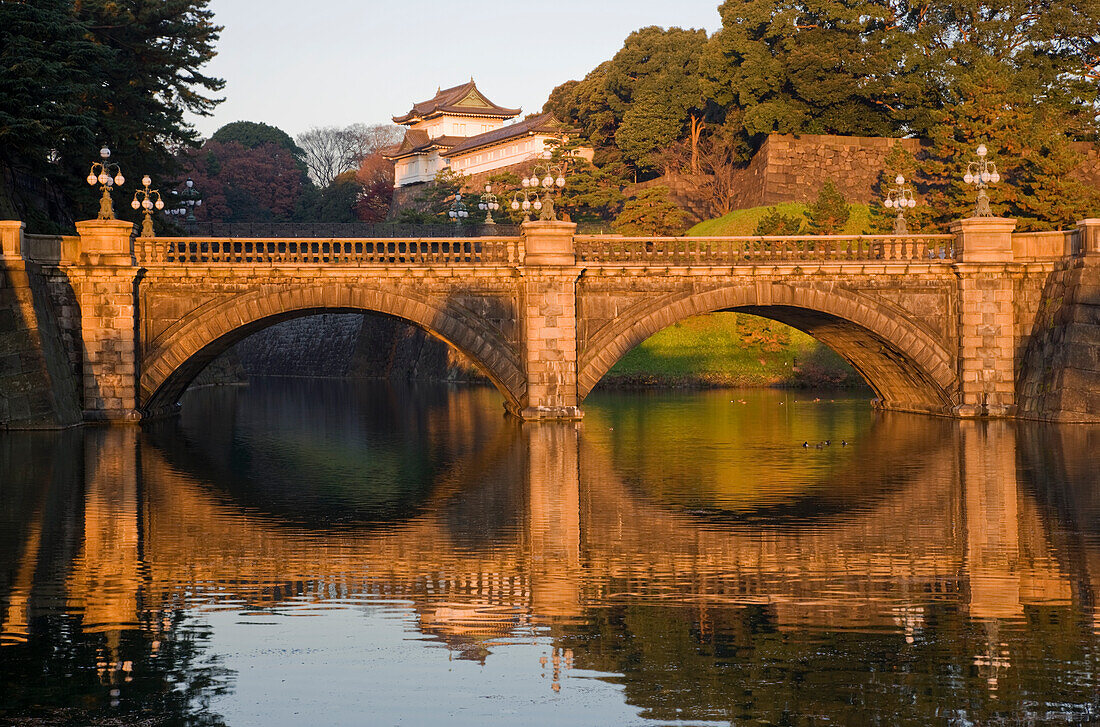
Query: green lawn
x=731, y=349
x=743, y=222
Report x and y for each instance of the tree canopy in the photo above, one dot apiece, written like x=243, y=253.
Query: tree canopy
x=78, y=75
x=1021, y=76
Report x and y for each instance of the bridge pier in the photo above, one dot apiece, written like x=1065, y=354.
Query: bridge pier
x=987, y=319
x=102, y=273
x=981, y=323
x=548, y=312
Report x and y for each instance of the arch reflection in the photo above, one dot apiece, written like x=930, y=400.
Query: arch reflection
x=967, y=563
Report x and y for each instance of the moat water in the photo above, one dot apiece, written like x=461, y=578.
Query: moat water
x=328, y=553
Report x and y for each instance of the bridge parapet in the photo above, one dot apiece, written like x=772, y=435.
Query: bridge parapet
x=754, y=250
x=936, y=323
x=327, y=251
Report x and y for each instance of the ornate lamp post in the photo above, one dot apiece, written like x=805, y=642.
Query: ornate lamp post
x=146, y=199
x=488, y=203
x=526, y=200
x=900, y=197
x=552, y=177
x=458, y=212
x=101, y=173
x=981, y=174
x=188, y=200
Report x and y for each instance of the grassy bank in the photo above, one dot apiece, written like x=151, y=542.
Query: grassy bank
x=731, y=349
x=743, y=222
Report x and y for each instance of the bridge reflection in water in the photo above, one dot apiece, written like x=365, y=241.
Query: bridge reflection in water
x=919, y=532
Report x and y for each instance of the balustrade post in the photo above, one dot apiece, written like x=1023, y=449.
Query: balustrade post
x=986, y=330
x=11, y=239
x=548, y=315
x=101, y=269
x=1089, y=231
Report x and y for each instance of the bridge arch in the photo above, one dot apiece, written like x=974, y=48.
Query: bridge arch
x=908, y=369
x=177, y=356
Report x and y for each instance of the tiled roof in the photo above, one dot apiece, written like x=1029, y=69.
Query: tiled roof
x=540, y=123
x=465, y=99
x=417, y=141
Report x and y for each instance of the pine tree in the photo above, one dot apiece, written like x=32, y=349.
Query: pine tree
x=898, y=161
x=651, y=212
x=777, y=223
x=829, y=213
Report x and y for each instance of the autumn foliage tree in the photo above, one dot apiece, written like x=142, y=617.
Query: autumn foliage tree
x=375, y=179
x=330, y=151
x=241, y=184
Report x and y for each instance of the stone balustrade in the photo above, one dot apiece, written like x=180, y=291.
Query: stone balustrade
x=754, y=250
x=965, y=324
x=329, y=251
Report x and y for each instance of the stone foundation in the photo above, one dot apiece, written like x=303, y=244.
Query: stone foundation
x=1060, y=375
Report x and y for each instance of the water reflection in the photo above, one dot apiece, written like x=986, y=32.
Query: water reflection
x=685, y=548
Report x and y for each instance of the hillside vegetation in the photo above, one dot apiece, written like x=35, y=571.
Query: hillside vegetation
x=744, y=222
x=731, y=349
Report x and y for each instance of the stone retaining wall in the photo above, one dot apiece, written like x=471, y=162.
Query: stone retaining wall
x=340, y=345
x=36, y=390
x=1060, y=375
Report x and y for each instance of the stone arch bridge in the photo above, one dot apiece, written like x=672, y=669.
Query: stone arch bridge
x=980, y=322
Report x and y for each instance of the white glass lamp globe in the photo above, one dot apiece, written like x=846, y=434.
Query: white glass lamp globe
x=526, y=205
x=119, y=179
x=968, y=178
x=190, y=183
x=548, y=181
x=534, y=181
x=526, y=182
x=986, y=176
x=899, y=179
x=135, y=204
x=91, y=179
x=912, y=202
x=103, y=178
x=515, y=205
x=982, y=151
x=560, y=181
x=104, y=152
x=146, y=181
x=888, y=202
x=538, y=204
x=159, y=204
x=995, y=177
x=147, y=203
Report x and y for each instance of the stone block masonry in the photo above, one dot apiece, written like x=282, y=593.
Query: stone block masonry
x=988, y=332
x=1060, y=374
x=37, y=390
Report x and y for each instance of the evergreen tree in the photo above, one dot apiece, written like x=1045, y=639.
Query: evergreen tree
x=777, y=223
x=829, y=212
x=646, y=97
x=898, y=161
x=77, y=75
x=1028, y=142
x=814, y=66
x=650, y=212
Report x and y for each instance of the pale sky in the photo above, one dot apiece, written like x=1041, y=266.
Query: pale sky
x=297, y=64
